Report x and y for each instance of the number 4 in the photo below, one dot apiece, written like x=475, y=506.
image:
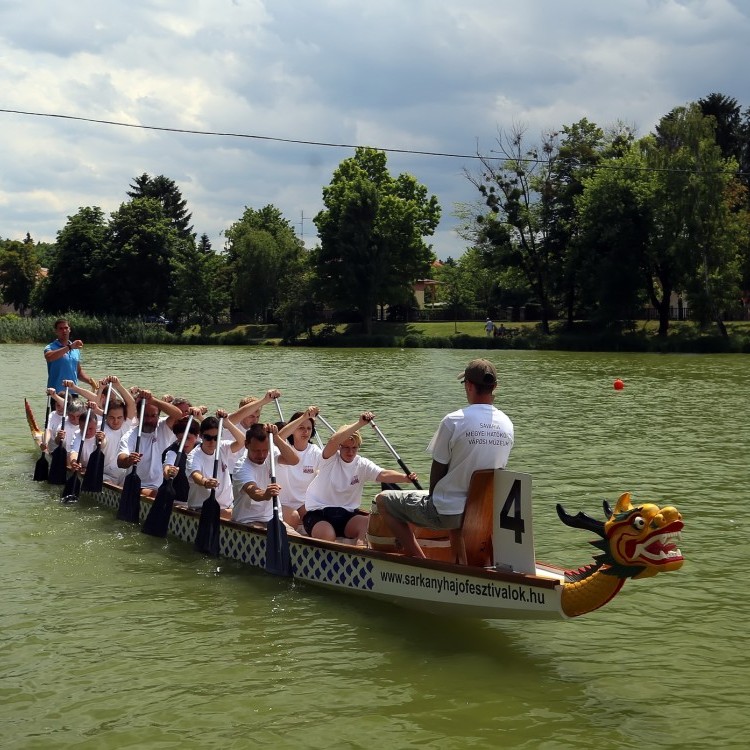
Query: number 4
x=513, y=522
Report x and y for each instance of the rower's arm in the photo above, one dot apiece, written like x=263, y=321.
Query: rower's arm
x=288, y=454
x=130, y=408
x=344, y=433
x=237, y=434
x=87, y=394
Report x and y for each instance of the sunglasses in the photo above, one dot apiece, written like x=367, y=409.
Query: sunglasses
x=210, y=437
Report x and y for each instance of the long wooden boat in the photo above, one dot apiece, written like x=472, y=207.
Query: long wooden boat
x=501, y=580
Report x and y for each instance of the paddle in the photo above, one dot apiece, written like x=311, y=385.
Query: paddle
x=157, y=520
x=130, y=499
x=209, y=524
x=72, y=488
x=41, y=468
x=326, y=423
x=93, y=479
x=58, y=468
x=278, y=557
x=393, y=452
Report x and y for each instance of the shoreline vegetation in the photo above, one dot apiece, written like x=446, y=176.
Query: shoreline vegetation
x=641, y=336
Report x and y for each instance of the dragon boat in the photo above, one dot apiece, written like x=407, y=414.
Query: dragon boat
x=501, y=578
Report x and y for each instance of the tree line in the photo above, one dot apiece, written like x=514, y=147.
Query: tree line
x=586, y=224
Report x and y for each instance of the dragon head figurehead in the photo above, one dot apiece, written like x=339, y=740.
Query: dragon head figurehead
x=634, y=542
x=645, y=536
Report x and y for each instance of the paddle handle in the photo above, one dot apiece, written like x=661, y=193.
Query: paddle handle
x=181, y=447
x=325, y=422
x=83, y=434
x=272, y=459
x=393, y=452
x=217, y=449
x=278, y=409
x=46, y=415
x=106, y=406
x=140, y=426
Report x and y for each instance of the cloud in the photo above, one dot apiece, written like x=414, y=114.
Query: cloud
x=425, y=75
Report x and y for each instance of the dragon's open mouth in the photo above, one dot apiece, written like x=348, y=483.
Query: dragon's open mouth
x=658, y=548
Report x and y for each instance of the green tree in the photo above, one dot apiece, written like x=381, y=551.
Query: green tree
x=690, y=201
x=19, y=271
x=174, y=206
x=263, y=253
x=667, y=212
x=136, y=259
x=298, y=308
x=199, y=282
x=453, y=288
x=610, y=251
x=583, y=147
x=726, y=113
x=75, y=276
x=480, y=280
x=372, y=236
x=45, y=253
x=517, y=189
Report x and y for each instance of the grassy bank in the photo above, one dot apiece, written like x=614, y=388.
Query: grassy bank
x=683, y=337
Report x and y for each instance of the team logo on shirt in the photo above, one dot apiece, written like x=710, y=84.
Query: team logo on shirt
x=355, y=480
x=308, y=470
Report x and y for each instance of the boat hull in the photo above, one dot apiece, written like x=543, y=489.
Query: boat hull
x=431, y=586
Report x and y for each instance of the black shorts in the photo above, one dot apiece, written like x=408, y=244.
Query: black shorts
x=337, y=517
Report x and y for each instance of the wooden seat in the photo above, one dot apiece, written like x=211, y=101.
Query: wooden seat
x=471, y=544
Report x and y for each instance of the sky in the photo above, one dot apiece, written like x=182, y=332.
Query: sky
x=419, y=75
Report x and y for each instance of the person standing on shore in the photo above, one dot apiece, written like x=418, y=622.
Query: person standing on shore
x=63, y=358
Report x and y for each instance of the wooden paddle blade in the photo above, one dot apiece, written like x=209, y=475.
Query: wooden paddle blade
x=58, y=468
x=72, y=488
x=157, y=520
x=209, y=527
x=278, y=556
x=181, y=487
x=41, y=469
x=93, y=479
x=130, y=500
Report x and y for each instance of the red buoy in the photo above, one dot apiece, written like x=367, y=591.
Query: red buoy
x=618, y=384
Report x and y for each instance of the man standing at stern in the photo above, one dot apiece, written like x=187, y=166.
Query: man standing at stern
x=63, y=358
x=478, y=436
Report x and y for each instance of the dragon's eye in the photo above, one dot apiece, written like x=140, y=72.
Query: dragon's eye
x=639, y=523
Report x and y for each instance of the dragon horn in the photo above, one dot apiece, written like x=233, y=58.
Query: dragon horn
x=580, y=521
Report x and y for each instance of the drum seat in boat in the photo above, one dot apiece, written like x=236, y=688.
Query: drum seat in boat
x=471, y=544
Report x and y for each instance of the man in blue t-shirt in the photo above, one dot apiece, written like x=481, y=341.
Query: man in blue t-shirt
x=63, y=358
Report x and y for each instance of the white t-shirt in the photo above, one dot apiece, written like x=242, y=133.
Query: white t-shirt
x=479, y=436
x=294, y=480
x=112, y=472
x=246, y=510
x=71, y=433
x=340, y=484
x=204, y=463
x=53, y=426
x=89, y=446
x=153, y=444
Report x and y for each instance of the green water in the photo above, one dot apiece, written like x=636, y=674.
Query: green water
x=111, y=639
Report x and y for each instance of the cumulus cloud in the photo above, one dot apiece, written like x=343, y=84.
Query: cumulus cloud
x=427, y=75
